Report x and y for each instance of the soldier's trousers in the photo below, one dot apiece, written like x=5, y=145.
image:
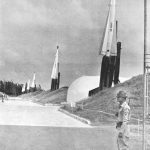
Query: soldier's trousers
x=122, y=141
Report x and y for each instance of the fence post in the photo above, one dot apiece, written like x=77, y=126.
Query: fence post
x=138, y=127
x=82, y=105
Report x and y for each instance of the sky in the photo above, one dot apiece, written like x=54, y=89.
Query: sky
x=30, y=30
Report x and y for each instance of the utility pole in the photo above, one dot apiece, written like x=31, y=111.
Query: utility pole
x=145, y=76
x=147, y=87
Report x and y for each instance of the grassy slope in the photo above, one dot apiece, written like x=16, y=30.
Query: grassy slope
x=55, y=97
x=30, y=95
x=105, y=100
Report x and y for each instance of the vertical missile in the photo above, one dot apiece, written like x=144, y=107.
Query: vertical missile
x=54, y=75
x=58, y=80
x=23, y=88
x=117, y=65
x=33, y=81
x=28, y=86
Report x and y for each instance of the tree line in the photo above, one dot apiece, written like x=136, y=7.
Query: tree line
x=10, y=88
x=15, y=89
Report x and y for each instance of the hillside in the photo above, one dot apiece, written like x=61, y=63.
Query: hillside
x=106, y=101
x=30, y=95
x=54, y=97
x=45, y=97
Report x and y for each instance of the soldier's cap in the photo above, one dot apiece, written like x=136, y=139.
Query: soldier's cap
x=121, y=94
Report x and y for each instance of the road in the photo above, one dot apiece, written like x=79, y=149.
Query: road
x=31, y=114
x=28, y=126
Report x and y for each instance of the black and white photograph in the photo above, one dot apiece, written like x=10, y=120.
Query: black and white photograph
x=74, y=75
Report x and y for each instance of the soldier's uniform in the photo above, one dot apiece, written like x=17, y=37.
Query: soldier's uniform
x=123, y=127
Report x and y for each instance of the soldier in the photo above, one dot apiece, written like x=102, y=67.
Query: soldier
x=122, y=126
x=2, y=98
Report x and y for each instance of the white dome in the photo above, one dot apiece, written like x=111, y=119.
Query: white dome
x=80, y=88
